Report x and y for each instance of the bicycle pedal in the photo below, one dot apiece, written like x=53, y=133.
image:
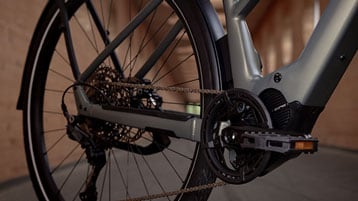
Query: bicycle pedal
x=284, y=142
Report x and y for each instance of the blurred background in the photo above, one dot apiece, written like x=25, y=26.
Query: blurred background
x=280, y=30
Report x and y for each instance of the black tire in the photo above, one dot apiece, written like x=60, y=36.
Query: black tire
x=50, y=153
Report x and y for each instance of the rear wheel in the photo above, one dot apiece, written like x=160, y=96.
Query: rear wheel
x=60, y=167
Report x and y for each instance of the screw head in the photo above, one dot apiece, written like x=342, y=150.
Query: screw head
x=277, y=77
x=342, y=58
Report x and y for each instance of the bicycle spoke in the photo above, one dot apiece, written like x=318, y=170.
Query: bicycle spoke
x=167, y=58
x=102, y=12
x=70, y=173
x=103, y=32
x=155, y=79
x=60, y=91
x=65, y=158
x=109, y=15
x=131, y=65
x=172, y=166
x=55, y=130
x=93, y=43
x=83, y=183
x=162, y=47
x=170, y=163
x=139, y=171
x=92, y=29
x=121, y=175
x=167, y=148
x=55, y=143
x=104, y=181
x=53, y=112
x=127, y=171
x=62, y=57
x=142, y=44
x=79, y=191
x=129, y=51
x=153, y=35
x=109, y=176
x=153, y=174
x=120, y=37
x=62, y=75
x=184, y=82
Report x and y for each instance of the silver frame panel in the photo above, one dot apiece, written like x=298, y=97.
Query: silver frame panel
x=310, y=79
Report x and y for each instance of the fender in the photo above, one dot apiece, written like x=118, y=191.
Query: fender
x=220, y=38
x=213, y=23
x=29, y=59
x=212, y=19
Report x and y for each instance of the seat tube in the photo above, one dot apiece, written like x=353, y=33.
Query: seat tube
x=245, y=62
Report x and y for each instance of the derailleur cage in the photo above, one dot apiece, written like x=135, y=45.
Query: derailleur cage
x=95, y=154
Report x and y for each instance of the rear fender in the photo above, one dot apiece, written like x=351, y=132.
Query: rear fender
x=26, y=76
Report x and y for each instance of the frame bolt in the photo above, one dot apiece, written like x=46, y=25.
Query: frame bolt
x=342, y=58
x=277, y=77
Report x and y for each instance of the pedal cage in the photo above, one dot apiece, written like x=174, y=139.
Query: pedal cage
x=284, y=142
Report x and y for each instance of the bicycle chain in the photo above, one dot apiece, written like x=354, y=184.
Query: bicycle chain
x=172, y=89
x=178, y=90
x=181, y=191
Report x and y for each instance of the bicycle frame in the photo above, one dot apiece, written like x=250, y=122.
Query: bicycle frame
x=312, y=78
x=309, y=81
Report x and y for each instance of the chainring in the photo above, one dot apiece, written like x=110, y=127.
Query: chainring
x=236, y=107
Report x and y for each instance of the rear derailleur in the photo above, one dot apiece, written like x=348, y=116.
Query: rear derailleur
x=96, y=136
x=95, y=154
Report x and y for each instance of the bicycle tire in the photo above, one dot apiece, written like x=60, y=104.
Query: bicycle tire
x=41, y=55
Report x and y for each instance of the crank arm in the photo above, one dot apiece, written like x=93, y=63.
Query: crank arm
x=181, y=125
x=269, y=140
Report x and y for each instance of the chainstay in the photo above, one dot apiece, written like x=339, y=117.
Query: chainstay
x=172, y=89
x=177, y=90
x=181, y=191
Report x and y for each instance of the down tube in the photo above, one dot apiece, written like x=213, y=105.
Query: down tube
x=312, y=78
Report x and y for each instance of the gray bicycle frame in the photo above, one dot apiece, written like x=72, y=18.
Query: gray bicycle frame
x=310, y=80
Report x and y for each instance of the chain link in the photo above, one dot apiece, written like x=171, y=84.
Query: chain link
x=172, y=89
x=181, y=191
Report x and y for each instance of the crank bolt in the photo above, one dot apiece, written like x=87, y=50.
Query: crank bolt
x=241, y=107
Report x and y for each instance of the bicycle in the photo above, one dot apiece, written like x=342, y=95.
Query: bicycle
x=107, y=86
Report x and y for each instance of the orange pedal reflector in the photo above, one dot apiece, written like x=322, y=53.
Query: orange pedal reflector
x=304, y=145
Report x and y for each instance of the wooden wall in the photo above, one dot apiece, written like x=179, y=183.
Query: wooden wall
x=287, y=24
